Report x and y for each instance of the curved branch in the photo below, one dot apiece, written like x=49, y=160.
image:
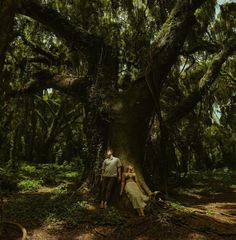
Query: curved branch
x=201, y=46
x=69, y=84
x=7, y=12
x=170, y=39
x=37, y=49
x=206, y=82
x=75, y=37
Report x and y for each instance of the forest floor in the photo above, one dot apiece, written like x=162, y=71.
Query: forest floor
x=203, y=210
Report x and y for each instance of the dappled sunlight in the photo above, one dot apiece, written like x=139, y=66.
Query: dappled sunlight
x=91, y=207
x=85, y=236
x=197, y=236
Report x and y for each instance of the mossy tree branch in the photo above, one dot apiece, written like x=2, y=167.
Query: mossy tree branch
x=69, y=84
x=75, y=36
x=7, y=12
x=170, y=40
x=206, y=82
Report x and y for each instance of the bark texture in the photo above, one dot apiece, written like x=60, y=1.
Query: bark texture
x=131, y=113
x=7, y=12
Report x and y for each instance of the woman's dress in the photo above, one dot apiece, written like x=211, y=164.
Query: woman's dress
x=134, y=193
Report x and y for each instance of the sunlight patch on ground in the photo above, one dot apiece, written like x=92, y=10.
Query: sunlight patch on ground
x=86, y=236
x=196, y=236
x=90, y=207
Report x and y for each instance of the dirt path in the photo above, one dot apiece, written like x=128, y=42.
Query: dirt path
x=220, y=205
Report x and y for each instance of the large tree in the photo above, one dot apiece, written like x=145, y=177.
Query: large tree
x=118, y=59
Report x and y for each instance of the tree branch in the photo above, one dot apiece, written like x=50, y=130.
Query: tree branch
x=39, y=50
x=165, y=50
x=75, y=37
x=7, y=12
x=65, y=83
x=225, y=73
x=201, y=46
x=171, y=38
x=206, y=82
x=43, y=60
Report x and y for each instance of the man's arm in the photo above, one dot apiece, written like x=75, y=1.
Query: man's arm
x=119, y=165
x=122, y=184
x=103, y=170
x=119, y=173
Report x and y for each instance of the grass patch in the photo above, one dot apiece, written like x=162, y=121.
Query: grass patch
x=208, y=182
x=50, y=174
x=53, y=203
x=222, y=177
x=29, y=178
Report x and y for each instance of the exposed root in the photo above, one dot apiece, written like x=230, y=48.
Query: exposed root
x=201, y=222
x=22, y=229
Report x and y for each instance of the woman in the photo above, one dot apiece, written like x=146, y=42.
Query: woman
x=134, y=191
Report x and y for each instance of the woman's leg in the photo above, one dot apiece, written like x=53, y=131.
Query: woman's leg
x=142, y=212
x=139, y=213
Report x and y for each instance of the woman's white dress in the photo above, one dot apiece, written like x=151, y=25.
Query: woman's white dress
x=135, y=195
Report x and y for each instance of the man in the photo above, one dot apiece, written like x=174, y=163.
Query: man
x=111, y=170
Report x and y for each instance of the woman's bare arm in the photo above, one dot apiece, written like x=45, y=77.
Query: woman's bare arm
x=138, y=183
x=122, y=184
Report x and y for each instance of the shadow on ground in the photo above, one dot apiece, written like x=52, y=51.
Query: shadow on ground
x=203, y=211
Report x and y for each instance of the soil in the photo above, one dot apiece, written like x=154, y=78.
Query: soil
x=201, y=216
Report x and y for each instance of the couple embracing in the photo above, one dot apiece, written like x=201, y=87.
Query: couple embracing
x=111, y=173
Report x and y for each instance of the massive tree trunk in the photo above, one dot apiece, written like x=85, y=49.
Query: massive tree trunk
x=131, y=113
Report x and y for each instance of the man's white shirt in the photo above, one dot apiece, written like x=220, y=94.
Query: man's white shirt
x=110, y=166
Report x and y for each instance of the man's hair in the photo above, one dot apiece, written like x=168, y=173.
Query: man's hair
x=109, y=150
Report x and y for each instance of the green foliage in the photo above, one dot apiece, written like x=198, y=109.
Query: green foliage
x=29, y=185
x=31, y=178
x=223, y=177
x=42, y=129
x=51, y=174
x=58, y=208
x=205, y=183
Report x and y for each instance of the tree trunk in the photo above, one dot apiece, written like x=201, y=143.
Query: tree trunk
x=131, y=113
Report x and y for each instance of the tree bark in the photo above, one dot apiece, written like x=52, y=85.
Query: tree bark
x=165, y=50
x=131, y=113
x=7, y=12
x=75, y=36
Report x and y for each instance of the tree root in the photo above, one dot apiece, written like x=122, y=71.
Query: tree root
x=200, y=222
x=22, y=229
